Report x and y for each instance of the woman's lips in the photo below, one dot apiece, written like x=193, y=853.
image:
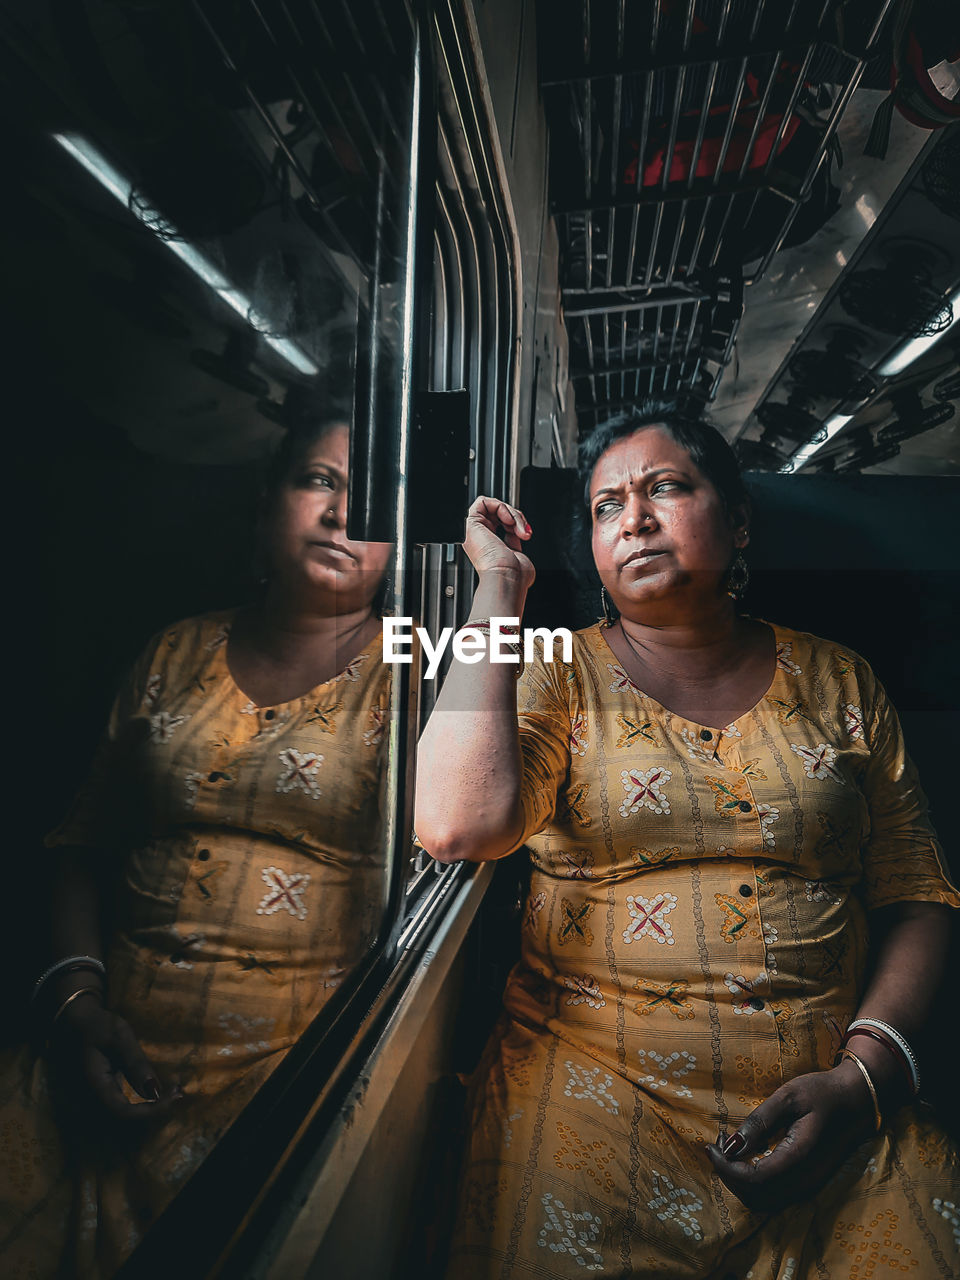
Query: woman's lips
x=335, y=550
x=640, y=557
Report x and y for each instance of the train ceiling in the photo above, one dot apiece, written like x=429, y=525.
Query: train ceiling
x=693, y=143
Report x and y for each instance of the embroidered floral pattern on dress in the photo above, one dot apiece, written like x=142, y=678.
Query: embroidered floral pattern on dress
x=647, y=858
x=736, y=917
x=284, y=892
x=575, y=801
x=947, y=1209
x=644, y=790
x=648, y=916
x=152, y=690
x=352, y=670
x=789, y=711
x=818, y=761
x=192, y=785
x=585, y=1085
x=591, y=1158
x=163, y=724
x=664, y=995
x=697, y=750
x=665, y=1066
x=621, y=682
x=579, y=863
x=675, y=1204
x=784, y=661
x=853, y=721
x=768, y=815
x=573, y=925
x=535, y=904
x=634, y=729
x=731, y=731
x=578, y=736
x=374, y=735
x=585, y=991
x=219, y=637
x=299, y=772
x=728, y=796
x=743, y=992
x=573, y=1233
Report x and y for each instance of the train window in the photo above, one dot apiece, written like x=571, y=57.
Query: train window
x=208, y=274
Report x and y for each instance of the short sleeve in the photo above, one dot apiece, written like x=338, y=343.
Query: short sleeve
x=543, y=715
x=902, y=859
x=100, y=815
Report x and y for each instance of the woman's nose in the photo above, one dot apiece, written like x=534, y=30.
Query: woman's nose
x=637, y=516
x=334, y=514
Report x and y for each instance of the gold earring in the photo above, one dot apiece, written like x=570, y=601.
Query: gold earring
x=608, y=619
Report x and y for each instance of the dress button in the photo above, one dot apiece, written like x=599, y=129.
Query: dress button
x=268, y=715
x=203, y=854
x=705, y=735
x=745, y=806
x=756, y=1003
x=745, y=891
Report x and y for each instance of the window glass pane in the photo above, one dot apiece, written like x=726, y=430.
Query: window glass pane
x=205, y=274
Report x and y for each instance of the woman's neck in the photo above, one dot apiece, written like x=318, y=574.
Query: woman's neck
x=710, y=642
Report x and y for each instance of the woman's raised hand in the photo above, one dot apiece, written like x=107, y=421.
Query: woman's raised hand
x=487, y=552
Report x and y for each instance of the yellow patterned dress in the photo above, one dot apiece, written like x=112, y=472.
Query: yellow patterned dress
x=694, y=936
x=245, y=845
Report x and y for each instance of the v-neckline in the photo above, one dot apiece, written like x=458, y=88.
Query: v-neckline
x=667, y=711
x=309, y=694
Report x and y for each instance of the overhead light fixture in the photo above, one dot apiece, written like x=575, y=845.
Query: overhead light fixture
x=99, y=167
x=913, y=349
x=832, y=425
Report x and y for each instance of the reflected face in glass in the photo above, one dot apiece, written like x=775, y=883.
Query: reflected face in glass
x=308, y=546
x=658, y=524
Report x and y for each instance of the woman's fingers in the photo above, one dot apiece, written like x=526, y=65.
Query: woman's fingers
x=776, y=1179
x=495, y=514
x=753, y=1135
x=117, y=1055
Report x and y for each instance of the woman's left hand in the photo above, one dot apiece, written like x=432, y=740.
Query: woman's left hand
x=822, y=1117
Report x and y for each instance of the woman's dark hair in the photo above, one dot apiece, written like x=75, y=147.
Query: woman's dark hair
x=706, y=446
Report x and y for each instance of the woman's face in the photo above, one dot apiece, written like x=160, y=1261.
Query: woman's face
x=661, y=532
x=306, y=534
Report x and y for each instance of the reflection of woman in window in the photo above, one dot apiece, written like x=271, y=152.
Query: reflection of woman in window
x=233, y=811
x=710, y=803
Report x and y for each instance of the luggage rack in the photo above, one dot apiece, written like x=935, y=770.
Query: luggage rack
x=686, y=136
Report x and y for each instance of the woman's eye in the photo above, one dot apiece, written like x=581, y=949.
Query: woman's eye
x=666, y=484
x=317, y=478
x=604, y=509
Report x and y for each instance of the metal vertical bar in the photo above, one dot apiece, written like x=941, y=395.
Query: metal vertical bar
x=641, y=155
x=688, y=24
x=608, y=395
x=722, y=24
x=655, y=236
x=788, y=110
x=623, y=352
x=590, y=357
x=655, y=26
x=588, y=174
x=761, y=112
x=758, y=14
x=674, y=125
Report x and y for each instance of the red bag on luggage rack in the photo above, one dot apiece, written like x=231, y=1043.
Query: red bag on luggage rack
x=712, y=145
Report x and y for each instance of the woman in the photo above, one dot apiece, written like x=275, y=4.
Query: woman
x=235, y=808
x=710, y=803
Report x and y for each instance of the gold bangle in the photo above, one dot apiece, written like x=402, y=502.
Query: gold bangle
x=847, y=1053
x=82, y=991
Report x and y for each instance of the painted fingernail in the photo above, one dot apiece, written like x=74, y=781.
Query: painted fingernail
x=527, y=527
x=734, y=1144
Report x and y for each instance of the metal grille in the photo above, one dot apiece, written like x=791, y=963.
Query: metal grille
x=685, y=137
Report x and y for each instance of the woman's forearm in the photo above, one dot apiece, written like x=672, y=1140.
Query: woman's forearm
x=908, y=970
x=468, y=761
x=75, y=925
